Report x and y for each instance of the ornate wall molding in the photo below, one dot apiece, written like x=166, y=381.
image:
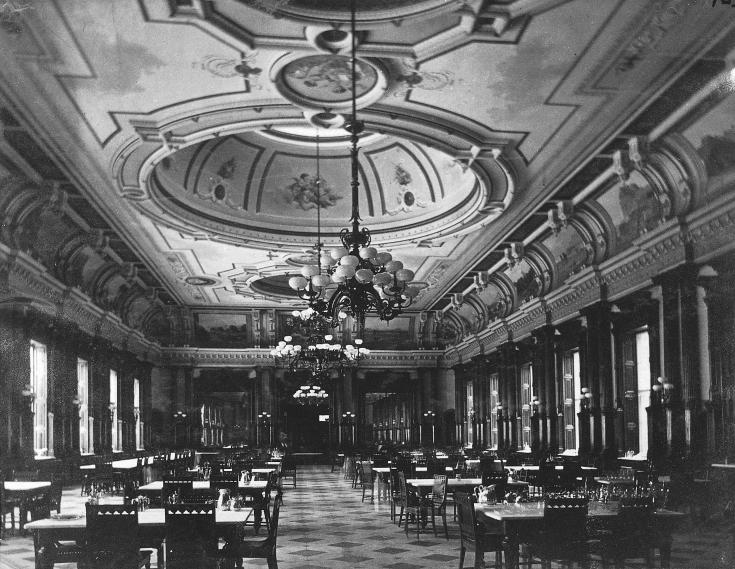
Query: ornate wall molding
x=261, y=357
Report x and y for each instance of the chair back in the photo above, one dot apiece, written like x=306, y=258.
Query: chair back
x=439, y=490
x=367, y=471
x=112, y=536
x=466, y=516
x=176, y=489
x=565, y=518
x=26, y=475
x=190, y=535
x=634, y=516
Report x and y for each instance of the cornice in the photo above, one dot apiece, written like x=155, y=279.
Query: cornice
x=697, y=237
x=261, y=357
x=27, y=278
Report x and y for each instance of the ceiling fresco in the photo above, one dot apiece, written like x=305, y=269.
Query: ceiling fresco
x=191, y=126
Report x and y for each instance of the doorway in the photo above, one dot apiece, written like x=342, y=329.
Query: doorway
x=307, y=427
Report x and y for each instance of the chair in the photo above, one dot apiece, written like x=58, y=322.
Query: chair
x=191, y=538
x=242, y=547
x=367, y=479
x=112, y=538
x=288, y=469
x=631, y=535
x=260, y=503
x=564, y=534
x=394, y=489
x=26, y=475
x=412, y=505
x=437, y=501
x=55, y=492
x=176, y=490
x=472, y=535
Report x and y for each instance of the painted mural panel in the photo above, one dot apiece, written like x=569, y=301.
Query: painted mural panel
x=632, y=207
x=231, y=330
x=713, y=136
x=569, y=251
x=524, y=278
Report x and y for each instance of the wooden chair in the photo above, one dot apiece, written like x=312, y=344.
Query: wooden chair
x=564, y=534
x=367, y=480
x=411, y=505
x=191, y=538
x=176, y=489
x=394, y=492
x=112, y=538
x=473, y=536
x=631, y=535
x=288, y=469
x=243, y=547
x=437, y=502
x=26, y=475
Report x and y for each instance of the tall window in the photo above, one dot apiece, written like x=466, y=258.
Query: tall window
x=526, y=395
x=114, y=426
x=83, y=400
x=572, y=398
x=637, y=384
x=470, y=413
x=136, y=412
x=42, y=446
x=643, y=366
x=494, y=399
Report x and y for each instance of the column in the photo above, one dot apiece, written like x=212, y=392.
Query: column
x=680, y=346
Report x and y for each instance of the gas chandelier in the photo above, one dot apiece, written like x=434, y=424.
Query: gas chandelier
x=318, y=353
x=310, y=395
x=366, y=279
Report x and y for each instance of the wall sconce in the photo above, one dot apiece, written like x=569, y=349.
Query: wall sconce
x=112, y=407
x=349, y=416
x=180, y=416
x=429, y=416
x=29, y=395
x=535, y=403
x=663, y=390
x=264, y=418
x=586, y=397
x=76, y=401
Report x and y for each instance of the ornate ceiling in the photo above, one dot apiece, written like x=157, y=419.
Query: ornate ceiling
x=190, y=126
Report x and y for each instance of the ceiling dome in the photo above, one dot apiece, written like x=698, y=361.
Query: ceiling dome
x=260, y=186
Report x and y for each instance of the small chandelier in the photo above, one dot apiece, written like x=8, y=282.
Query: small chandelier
x=310, y=394
x=320, y=354
x=366, y=279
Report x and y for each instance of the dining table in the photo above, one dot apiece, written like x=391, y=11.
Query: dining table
x=519, y=521
x=24, y=491
x=72, y=527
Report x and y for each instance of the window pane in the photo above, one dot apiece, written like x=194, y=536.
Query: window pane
x=643, y=367
x=83, y=399
x=38, y=383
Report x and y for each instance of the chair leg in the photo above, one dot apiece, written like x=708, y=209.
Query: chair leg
x=400, y=517
x=272, y=562
x=444, y=521
x=461, y=555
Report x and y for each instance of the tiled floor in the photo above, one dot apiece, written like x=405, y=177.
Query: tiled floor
x=324, y=524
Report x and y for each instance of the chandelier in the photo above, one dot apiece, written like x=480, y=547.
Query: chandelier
x=366, y=279
x=312, y=394
x=318, y=352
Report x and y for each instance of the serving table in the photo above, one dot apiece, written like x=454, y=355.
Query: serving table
x=151, y=524
x=517, y=522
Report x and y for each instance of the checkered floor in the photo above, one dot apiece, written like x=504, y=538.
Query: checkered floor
x=324, y=524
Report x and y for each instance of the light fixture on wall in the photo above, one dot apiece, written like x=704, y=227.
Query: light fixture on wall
x=180, y=416
x=29, y=394
x=367, y=280
x=663, y=390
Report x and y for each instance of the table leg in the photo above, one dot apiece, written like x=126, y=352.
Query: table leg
x=510, y=549
x=665, y=549
x=43, y=546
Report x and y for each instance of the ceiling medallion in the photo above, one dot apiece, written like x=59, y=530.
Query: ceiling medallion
x=367, y=280
x=323, y=83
